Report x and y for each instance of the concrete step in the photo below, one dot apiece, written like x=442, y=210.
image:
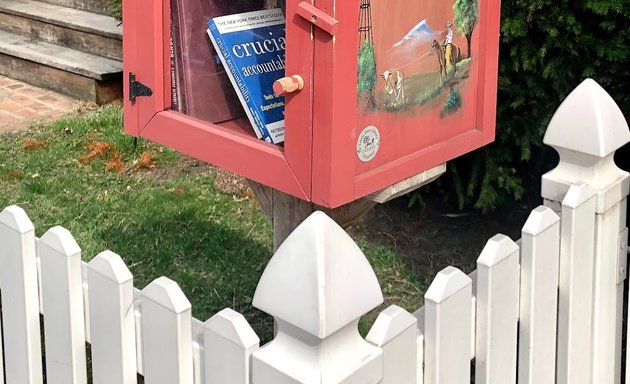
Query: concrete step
x=96, y=6
x=64, y=70
x=72, y=28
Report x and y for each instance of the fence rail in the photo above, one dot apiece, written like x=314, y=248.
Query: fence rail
x=550, y=303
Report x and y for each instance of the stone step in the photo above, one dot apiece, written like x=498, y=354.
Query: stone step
x=96, y=6
x=72, y=28
x=64, y=70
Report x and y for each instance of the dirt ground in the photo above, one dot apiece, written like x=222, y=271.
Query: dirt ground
x=434, y=236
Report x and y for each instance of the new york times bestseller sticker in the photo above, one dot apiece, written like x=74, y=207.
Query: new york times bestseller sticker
x=368, y=143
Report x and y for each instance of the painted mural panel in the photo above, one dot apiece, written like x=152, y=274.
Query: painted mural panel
x=417, y=72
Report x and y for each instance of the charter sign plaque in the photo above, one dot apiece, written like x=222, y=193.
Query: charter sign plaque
x=368, y=143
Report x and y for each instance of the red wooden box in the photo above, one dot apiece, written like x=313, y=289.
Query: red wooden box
x=376, y=107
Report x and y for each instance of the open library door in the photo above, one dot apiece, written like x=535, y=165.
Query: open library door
x=180, y=95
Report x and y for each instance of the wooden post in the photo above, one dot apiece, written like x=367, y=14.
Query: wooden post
x=586, y=131
x=286, y=212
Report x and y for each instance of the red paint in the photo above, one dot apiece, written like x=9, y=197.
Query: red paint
x=318, y=161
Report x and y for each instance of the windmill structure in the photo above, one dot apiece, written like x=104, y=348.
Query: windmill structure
x=365, y=23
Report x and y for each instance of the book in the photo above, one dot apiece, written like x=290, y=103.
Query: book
x=251, y=47
x=203, y=89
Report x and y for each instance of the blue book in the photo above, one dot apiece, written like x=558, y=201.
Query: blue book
x=251, y=47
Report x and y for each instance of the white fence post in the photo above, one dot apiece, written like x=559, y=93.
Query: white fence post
x=112, y=320
x=586, y=131
x=229, y=342
x=540, y=252
x=62, y=297
x=575, y=294
x=317, y=286
x=20, y=298
x=498, y=283
x=166, y=334
x=447, y=321
x=396, y=331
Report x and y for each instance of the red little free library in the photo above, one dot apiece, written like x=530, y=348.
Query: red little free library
x=391, y=88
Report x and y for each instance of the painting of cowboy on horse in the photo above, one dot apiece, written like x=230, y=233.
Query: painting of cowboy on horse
x=418, y=68
x=448, y=53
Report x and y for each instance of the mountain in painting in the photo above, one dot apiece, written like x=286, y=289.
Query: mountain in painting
x=421, y=33
x=415, y=44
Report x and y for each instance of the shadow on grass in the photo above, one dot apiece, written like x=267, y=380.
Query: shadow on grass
x=215, y=266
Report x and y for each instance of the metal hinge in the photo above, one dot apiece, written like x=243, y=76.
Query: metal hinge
x=136, y=88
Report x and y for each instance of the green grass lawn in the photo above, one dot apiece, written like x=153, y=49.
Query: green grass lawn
x=157, y=209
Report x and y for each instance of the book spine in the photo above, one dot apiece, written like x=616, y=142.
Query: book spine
x=241, y=89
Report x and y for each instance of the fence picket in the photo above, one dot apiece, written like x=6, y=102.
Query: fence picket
x=497, y=292
x=447, y=335
x=539, y=297
x=20, y=298
x=112, y=320
x=396, y=332
x=575, y=295
x=229, y=342
x=62, y=296
x=166, y=334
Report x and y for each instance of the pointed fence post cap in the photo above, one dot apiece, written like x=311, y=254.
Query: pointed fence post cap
x=588, y=121
x=61, y=240
x=167, y=293
x=14, y=217
x=111, y=266
x=318, y=280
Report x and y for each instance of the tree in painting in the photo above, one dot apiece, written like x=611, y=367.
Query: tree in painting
x=367, y=72
x=466, y=18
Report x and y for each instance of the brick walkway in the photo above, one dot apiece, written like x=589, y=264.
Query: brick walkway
x=22, y=105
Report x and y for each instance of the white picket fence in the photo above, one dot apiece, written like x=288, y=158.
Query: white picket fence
x=550, y=304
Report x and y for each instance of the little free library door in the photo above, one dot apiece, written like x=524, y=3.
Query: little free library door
x=391, y=88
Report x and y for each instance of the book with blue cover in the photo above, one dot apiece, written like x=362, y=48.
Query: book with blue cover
x=251, y=47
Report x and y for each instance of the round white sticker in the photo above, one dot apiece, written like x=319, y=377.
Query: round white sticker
x=368, y=143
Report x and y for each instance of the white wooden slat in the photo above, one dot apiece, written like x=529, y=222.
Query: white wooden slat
x=20, y=298
x=395, y=331
x=497, y=293
x=112, y=320
x=627, y=373
x=473, y=316
x=420, y=358
x=39, y=276
x=608, y=295
x=86, y=301
x=198, y=351
x=575, y=295
x=62, y=296
x=229, y=342
x=447, y=328
x=137, y=303
x=1, y=353
x=540, y=252
x=166, y=334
